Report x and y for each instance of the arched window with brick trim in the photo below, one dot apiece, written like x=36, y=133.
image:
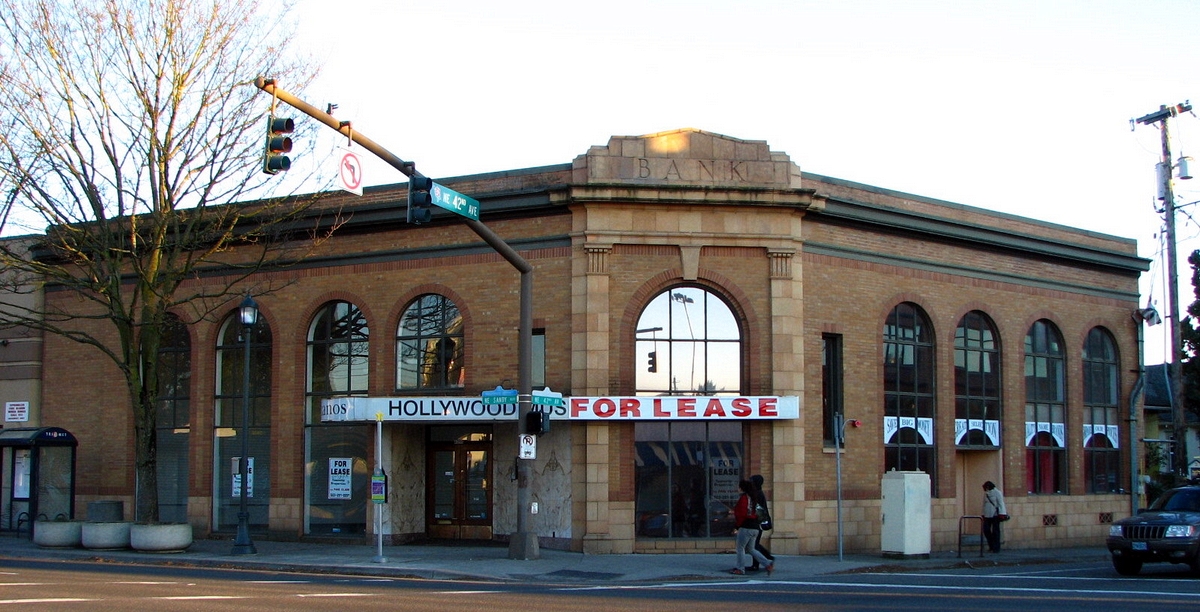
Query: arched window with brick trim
x=977, y=405
x=173, y=422
x=228, y=423
x=1045, y=410
x=908, y=392
x=688, y=342
x=1101, y=446
x=338, y=364
x=430, y=345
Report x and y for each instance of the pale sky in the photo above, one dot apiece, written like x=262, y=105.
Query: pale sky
x=1022, y=107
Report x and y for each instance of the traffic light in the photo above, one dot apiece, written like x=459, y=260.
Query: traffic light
x=652, y=362
x=275, y=161
x=536, y=423
x=420, y=203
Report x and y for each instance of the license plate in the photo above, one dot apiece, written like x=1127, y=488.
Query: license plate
x=1139, y=546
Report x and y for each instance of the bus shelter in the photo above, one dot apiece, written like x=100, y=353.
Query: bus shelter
x=37, y=476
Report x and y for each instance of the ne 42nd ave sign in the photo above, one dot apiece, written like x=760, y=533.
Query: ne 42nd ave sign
x=455, y=202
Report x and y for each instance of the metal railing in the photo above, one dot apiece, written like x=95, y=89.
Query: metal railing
x=963, y=520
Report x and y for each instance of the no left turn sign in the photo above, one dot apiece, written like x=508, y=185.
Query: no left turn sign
x=350, y=172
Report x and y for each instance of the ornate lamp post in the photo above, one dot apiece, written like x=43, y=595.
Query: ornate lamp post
x=242, y=545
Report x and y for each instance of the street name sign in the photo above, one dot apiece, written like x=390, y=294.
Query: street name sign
x=455, y=202
x=499, y=396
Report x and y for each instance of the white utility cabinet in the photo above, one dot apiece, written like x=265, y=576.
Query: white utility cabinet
x=907, y=507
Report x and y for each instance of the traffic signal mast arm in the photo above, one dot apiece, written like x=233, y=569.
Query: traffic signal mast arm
x=409, y=170
x=524, y=543
x=268, y=85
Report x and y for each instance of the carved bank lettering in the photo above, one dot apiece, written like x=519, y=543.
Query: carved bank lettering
x=693, y=170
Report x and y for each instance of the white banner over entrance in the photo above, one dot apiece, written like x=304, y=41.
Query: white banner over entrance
x=432, y=409
x=616, y=408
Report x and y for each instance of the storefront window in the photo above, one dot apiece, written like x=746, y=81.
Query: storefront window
x=429, y=345
x=1101, y=454
x=908, y=381
x=173, y=421
x=1045, y=408
x=338, y=474
x=228, y=425
x=976, y=382
x=688, y=343
x=687, y=478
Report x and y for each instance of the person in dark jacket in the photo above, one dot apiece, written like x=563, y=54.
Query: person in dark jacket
x=747, y=530
x=764, y=522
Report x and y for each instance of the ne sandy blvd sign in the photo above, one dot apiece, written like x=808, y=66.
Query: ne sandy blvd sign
x=499, y=397
x=455, y=202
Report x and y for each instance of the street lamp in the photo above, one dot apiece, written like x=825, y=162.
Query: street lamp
x=248, y=314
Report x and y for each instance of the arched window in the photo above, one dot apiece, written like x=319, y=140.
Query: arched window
x=687, y=342
x=336, y=453
x=1045, y=410
x=1101, y=454
x=429, y=345
x=976, y=382
x=228, y=424
x=337, y=355
x=173, y=421
x=908, y=391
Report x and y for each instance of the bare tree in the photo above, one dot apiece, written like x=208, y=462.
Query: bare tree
x=128, y=131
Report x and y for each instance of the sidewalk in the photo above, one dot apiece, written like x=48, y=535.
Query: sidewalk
x=491, y=563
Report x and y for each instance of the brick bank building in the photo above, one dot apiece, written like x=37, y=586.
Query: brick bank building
x=706, y=308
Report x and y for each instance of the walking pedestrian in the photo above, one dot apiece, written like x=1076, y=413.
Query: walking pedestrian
x=747, y=530
x=994, y=513
x=764, y=522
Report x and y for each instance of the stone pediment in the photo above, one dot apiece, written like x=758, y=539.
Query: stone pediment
x=687, y=157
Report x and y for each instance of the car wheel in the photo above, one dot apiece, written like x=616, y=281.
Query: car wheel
x=1126, y=566
x=1195, y=565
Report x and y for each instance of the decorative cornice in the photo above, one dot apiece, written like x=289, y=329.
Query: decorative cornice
x=800, y=199
x=871, y=217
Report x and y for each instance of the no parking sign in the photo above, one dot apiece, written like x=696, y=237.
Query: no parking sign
x=527, y=447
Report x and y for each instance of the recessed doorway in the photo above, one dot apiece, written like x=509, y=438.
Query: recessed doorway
x=459, y=482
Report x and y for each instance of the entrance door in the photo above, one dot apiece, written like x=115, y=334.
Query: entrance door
x=459, y=482
x=972, y=469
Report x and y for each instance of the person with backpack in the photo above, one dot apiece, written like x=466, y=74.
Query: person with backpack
x=748, y=530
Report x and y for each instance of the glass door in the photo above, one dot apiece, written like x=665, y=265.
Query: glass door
x=460, y=485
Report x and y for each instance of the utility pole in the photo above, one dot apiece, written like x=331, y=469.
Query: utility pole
x=523, y=544
x=1179, y=458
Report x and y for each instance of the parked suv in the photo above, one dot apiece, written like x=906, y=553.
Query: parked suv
x=1168, y=531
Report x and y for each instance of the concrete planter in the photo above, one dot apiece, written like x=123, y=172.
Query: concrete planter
x=58, y=534
x=106, y=536
x=160, y=537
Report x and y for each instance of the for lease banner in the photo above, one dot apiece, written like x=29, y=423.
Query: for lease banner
x=683, y=408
